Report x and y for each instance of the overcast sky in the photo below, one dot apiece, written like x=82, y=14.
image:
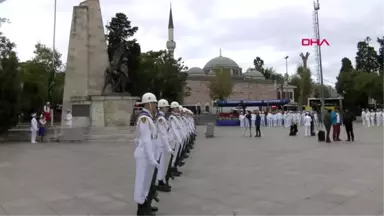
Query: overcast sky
x=243, y=29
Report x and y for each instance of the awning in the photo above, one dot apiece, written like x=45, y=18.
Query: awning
x=234, y=103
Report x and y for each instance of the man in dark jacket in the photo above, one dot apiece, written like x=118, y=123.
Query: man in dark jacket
x=249, y=125
x=327, y=124
x=257, y=125
x=348, y=119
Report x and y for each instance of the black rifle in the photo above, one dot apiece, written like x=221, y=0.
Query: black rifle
x=169, y=171
x=152, y=194
x=178, y=156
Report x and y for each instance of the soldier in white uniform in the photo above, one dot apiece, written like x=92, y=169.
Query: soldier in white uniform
x=373, y=114
x=262, y=116
x=279, y=119
x=165, y=149
x=241, y=119
x=363, y=117
x=184, y=131
x=175, y=123
x=144, y=155
x=368, y=118
x=378, y=117
x=382, y=118
x=34, y=128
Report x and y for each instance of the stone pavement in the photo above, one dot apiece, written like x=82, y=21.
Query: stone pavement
x=226, y=175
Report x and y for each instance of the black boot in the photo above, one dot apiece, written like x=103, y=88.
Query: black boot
x=163, y=187
x=148, y=208
x=176, y=172
x=140, y=209
x=168, y=185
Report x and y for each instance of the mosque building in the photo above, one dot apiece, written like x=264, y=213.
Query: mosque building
x=250, y=85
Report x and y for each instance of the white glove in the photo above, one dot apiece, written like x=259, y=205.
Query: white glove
x=171, y=151
x=154, y=163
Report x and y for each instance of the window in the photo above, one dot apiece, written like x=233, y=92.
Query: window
x=291, y=95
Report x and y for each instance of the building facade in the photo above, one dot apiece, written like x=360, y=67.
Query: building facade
x=250, y=85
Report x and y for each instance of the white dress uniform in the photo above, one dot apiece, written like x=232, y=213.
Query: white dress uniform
x=368, y=118
x=178, y=140
x=144, y=153
x=307, y=124
x=165, y=149
x=34, y=128
x=373, y=114
x=363, y=118
x=378, y=116
x=241, y=118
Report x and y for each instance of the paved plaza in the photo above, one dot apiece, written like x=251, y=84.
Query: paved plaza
x=226, y=175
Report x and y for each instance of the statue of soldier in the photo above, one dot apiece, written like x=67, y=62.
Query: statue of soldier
x=123, y=79
x=110, y=76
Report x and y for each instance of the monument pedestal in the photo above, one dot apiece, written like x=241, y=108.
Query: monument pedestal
x=102, y=111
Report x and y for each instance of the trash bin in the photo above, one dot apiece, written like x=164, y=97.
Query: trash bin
x=210, y=130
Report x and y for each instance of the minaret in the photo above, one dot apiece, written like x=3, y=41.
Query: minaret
x=171, y=44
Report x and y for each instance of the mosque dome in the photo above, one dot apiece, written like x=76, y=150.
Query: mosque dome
x=195, y=70
x=221, y=62
x=252, y=73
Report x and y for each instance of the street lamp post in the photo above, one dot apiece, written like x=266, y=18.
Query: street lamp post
x=53, y=53
x=286, y=68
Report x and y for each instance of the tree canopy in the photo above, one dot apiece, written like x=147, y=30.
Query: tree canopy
x=152, y=71
x=162, y=75
x=221, y=86
x=268, y=72
x=365, y=81
x=10, y=88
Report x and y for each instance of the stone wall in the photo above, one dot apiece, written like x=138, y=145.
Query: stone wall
x=241, y=91
x=109, y=111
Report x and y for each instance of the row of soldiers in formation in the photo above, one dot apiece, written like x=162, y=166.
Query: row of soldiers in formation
x=372, y=117
x=278, y=119
x=164, y=136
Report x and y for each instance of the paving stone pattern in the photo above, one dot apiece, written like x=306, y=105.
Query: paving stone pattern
x=226, y=175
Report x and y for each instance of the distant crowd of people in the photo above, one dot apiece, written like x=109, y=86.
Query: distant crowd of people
x=332, y=120
x=288, y=119
x=372, y=117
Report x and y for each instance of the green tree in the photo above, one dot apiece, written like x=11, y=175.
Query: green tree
x=305, y=84
x=10, y=86
x=43, y=79
x=346, y=86
x=295, y=80
x=344, y=83
x=381, y=54
x=221, y=86
x=119, y=33
x=162, y=75
x=268, y=72
x=52, y=64
x=317, y=88
x=366, y=57
x=306, y=81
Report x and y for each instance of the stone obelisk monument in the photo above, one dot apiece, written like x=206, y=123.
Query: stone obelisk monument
x=85, y=73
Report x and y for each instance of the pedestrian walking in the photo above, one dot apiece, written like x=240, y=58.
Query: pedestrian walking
x=258, y=124
x=336, y=121
x=327, y=124
x=348, y=119
x=248, y=123
x=42, y=124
